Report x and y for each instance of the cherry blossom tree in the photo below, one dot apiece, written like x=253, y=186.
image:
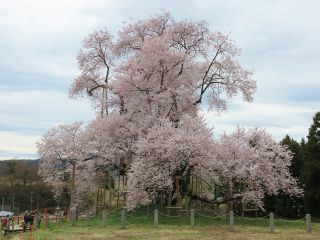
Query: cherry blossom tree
x=94, y=60
x=112, y=139
x=165, y=152
x=63, y=159
x=149, y=83
x=248, y=164
x=163, y=66
x=252, y=165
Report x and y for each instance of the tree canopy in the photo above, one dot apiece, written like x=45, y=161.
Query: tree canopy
x=148, y=84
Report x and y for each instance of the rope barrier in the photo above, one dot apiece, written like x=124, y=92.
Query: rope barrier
x=165, y=215
x=286, y=220
x=315, y=219
x=215, y=217
x=145, y=216
x=113, y=215
x=207, y=216
x=129, y=215
x=254, y=218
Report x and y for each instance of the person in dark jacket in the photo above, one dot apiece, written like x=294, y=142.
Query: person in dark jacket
x=28, y=219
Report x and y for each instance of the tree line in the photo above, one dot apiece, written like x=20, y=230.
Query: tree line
x=21, y=187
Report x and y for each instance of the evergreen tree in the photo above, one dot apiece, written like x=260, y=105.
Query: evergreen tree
x=311, y=167
x=297, y=159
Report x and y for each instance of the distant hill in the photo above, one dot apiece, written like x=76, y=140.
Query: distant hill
x=4, y=164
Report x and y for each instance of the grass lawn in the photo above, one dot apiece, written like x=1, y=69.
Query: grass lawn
x=175, y=228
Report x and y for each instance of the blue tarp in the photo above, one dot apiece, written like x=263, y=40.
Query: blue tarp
x=5, y=213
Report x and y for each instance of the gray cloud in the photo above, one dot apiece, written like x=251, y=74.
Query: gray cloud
x=280, y=41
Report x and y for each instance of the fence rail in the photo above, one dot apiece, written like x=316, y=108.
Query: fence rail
x=192, y=216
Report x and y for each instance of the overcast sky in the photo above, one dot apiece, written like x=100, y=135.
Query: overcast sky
x=39, y=40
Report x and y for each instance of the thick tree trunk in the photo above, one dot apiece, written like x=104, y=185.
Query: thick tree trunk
x=229, y=196
x=211, y=201
x=73, y=188
x=102, y=102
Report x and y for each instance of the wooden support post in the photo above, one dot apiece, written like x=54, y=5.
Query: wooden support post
x=200, y=192
x=308, y=223
x=104, y=195
x=178, y=191
x=196, y=183
x=60, y=218
x=45, y=218
x=123, y=219
x=192, y=218
x=98, y=200
x=169, y=200
x=73, y=217
x=110, y=191
x=231, y=220
x=196, y=190
x=242, y=209
x=12, y=223
x=272, y=222
x=88, y=218
x=104, y=217
x=118, y=195
x=156, y=218
x=124, y=187
x=161, y=199
x=192, y=190
x=192, y=184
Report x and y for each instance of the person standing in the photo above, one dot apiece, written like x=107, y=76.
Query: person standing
x=6, y=225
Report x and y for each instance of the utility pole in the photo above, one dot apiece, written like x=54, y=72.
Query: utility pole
x=37, y=202
x=30, y=201
x=12, y=204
